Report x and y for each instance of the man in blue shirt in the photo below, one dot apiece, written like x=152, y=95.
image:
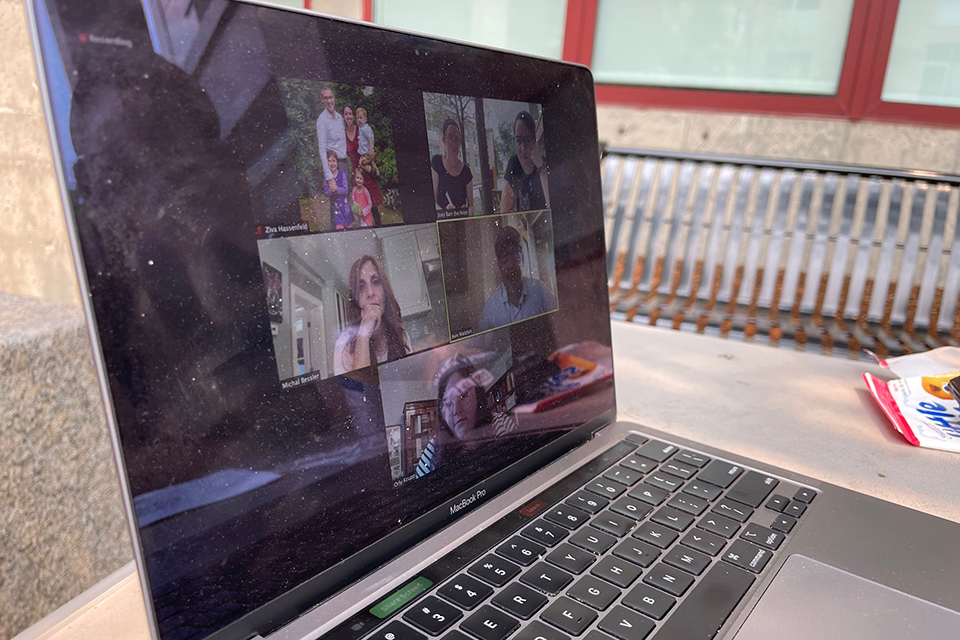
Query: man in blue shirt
x=517, y=298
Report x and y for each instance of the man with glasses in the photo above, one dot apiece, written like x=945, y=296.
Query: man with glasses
x=517, y=298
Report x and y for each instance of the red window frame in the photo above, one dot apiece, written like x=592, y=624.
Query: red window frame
x=873, y=107
x=858, y=94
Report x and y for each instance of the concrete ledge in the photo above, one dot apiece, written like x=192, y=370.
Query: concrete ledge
x=64, y=528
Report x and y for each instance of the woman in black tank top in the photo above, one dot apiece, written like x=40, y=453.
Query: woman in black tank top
x=452, y=178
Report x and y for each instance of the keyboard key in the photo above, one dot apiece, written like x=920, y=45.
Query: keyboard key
x=720, y=473
x=649, y=601
x=490, y=624
x=570, y=558
x=656, y=450
x=674, y=468
x=733, y=510
x=432, y=615
x=762, y=536
x=648, y=494
x=519, y=600
x=673, y=518
x=671, y=580
x=637, y=552
x=465, y=592
x=784, y=524
x=640, y=465
x=616, y=571
x=546, y=578
x=594, y=593
x=587, y=501
x=536, y=630
x=626, y=625
x=687, y=559
x=623, y=475
x=455, y=635
x=708, y=605
x=663, y=481
x=655, y=534
x=592, y=540
x=702, y=490
x=636, y=437
x=805, y=496
x=613, y=523
x=752, y=489
x=689, y=457
x=748, y=556
x=569, y=616
x=719, y=525
x=605, y=488
x=705, y=542
x=795, y=508
x=523, y=552
x=545, y=533
x=494, y=570
x=777, y=502
x=691, y=504
x=630, y=507
x=567, y=516
x=396, y=630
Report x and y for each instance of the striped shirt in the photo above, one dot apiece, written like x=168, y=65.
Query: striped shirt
x=431, y=459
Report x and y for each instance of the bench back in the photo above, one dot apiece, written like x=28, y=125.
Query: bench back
x=842, y=257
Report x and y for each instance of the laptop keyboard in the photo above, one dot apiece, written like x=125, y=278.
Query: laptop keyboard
x=655, y=542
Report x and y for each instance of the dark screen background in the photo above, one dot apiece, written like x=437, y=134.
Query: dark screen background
x=172, y=161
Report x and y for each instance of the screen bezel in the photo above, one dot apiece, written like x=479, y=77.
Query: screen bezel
x=307, y=595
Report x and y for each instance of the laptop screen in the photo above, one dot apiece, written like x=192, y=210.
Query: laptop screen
x=338, y=275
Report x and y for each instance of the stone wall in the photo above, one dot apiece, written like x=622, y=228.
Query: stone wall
x=35, y=257
x=789, y=138
x=63, y=527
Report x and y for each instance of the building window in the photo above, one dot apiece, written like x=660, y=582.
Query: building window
x=528, y=26
x=777, y=46
x=924, y=65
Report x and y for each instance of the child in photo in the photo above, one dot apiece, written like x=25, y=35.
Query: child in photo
x=362, y=199
x=365, y=145
x=340, y=213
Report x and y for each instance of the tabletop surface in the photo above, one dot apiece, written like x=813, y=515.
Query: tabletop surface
x=807, y=413
x=804, y=412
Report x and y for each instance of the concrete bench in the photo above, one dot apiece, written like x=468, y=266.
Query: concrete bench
x=831, y=256
x=63, y=527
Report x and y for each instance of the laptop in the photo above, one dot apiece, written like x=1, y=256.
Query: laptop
x=347, y=297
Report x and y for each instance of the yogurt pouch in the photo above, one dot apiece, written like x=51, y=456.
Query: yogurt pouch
x=920, y=408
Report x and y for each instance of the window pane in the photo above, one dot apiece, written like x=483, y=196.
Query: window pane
x=780, y=46
x=924, y=66
x=527, y=26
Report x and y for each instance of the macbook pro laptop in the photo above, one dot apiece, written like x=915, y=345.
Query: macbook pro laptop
x=348, y=303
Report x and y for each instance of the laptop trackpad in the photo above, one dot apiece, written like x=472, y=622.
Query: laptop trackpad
x=809, y=599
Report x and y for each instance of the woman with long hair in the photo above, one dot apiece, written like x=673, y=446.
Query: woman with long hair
x=465, y=421
x=525, y=178
x=374, y=331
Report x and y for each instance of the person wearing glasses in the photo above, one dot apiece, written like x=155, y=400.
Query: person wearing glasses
x=517, y=298
x=465, y=420
x=525, y=178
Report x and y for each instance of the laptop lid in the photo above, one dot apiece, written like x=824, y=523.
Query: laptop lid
x=343, y=285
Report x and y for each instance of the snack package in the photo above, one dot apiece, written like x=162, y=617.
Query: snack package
x=918, y=364
x=920, y=408
x=575, y=374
